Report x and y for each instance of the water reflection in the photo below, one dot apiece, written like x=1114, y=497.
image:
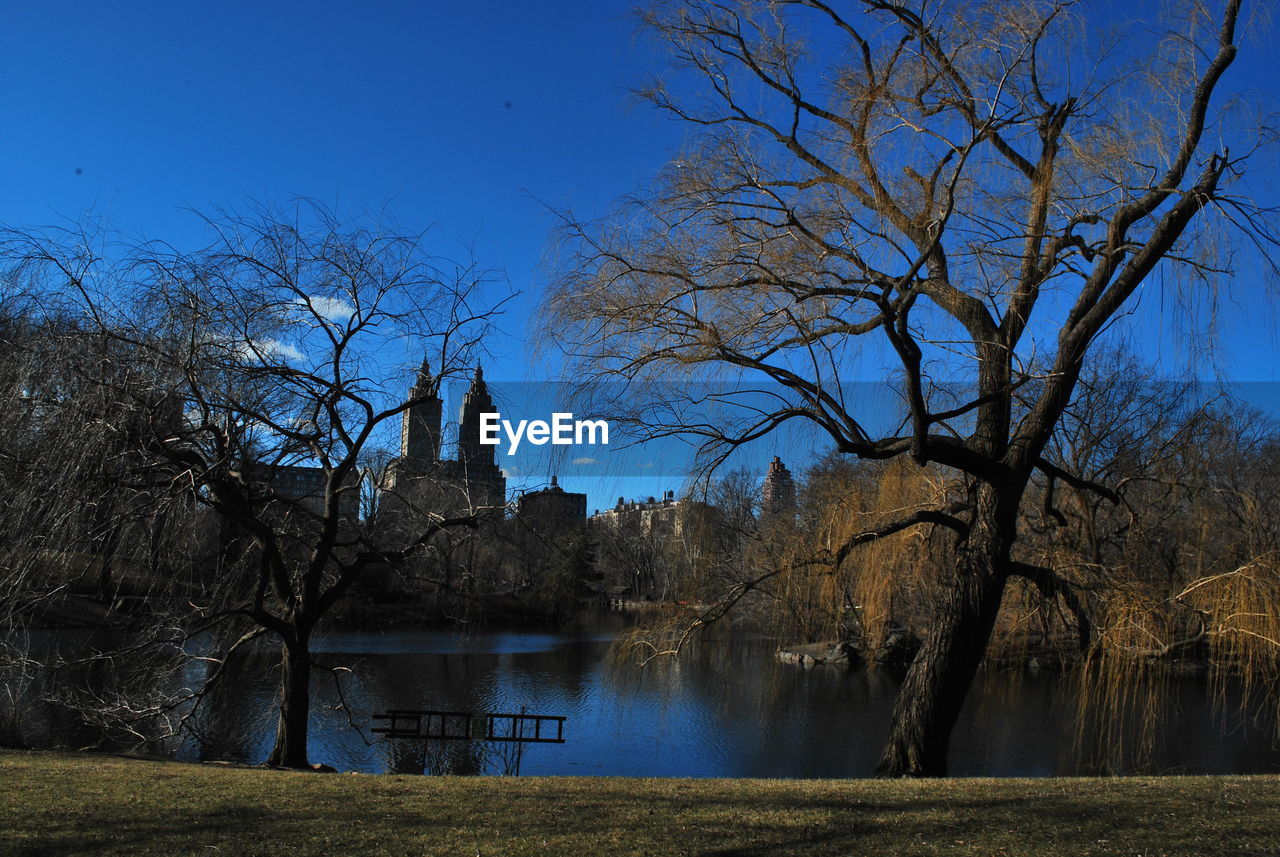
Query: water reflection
x=724, y=709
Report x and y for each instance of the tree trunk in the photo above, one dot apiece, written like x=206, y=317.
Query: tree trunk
x=939, y=678
x=104, y=512
x=290, y=750
x=107, y=567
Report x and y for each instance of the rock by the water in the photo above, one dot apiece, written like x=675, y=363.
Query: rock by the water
x=808, y=655
x=844, y=653
x=898, y=647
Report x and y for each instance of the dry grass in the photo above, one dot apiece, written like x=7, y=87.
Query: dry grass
x=56, y=804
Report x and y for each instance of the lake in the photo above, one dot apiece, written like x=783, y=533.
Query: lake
x=725, y=708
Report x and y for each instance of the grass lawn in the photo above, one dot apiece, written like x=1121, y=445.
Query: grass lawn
x=58, y=804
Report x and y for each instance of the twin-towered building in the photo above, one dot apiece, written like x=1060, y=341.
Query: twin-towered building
x=523, y=551
x=420, y=480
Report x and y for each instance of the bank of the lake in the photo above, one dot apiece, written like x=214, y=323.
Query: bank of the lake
x=69, y=804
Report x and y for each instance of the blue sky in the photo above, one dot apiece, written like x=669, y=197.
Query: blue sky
x=474, y=117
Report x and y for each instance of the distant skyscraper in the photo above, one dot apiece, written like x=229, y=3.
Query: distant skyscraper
x=778, y=497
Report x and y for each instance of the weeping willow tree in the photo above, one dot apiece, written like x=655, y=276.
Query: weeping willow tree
x=817, y=590
x=971, y=194
x=91, y=532
x=1174, y=573
x=1178, y=575
x=260, y=367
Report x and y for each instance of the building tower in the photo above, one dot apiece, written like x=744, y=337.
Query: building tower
x=420, y=425
x=474, y=478
x=471, y=453
x=778, y=497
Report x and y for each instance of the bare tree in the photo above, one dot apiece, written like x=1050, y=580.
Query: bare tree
x=268, y=360
x=972, y=193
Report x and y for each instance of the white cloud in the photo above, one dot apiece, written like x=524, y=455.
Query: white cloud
x=251, y=350
x=267, y=348
x=330, y=309
x=585, y=461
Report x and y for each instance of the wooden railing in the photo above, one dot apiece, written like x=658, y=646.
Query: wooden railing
x=470, y=726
